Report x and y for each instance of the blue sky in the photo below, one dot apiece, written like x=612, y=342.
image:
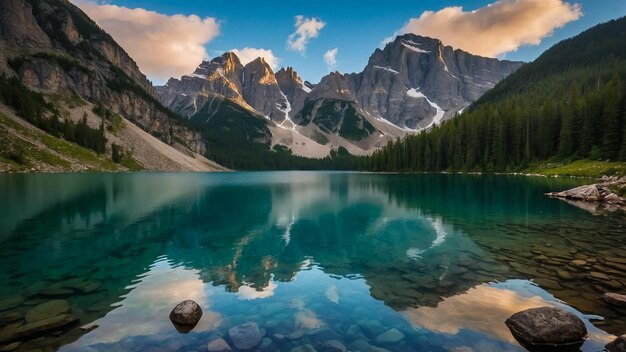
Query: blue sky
x=356, y=27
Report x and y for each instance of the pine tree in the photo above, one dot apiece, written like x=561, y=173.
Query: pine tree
x=612, y=132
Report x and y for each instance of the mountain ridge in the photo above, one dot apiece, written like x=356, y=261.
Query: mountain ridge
x=382, y=107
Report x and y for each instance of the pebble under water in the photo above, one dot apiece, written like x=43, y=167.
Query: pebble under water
x=298, y=261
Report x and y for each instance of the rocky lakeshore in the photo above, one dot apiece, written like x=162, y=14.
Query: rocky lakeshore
x=606, y=195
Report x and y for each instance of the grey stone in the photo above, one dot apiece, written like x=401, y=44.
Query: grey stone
x=334, y=346
x=187, y=312
x=267, y=345
x=218, y=345
x=390, y=336
x=547, y=327
x=359, y=345
x=245, y=336
x=304, y=348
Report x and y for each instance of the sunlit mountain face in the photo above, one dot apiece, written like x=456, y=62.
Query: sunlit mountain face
x=392, y=261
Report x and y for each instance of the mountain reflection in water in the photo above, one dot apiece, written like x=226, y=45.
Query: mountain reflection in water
x=441, y=259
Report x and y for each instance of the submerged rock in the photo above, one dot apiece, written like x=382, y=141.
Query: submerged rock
x=10, y=347
x=615, y=299
x=304, y=348
x=38, y=327
x=334, y=346
x=56, y=292
x=11, y=302
x=47, y=310
x=11, y=317
x=187, y=312
x=390, y=336
x=547, y=327
x=245, y=336
x=218, y=345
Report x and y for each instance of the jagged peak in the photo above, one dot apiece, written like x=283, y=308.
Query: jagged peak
x=260, y=62
x=228, y=59
x=291, y=73
x=416, y=38
x=263, y=71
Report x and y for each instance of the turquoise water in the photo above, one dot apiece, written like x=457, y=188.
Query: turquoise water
x=375, y=262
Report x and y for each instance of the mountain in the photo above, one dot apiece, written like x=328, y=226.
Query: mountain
x=417, y=81
x=410, y=85
x=63, y=79
x=567, y=105
x=294, y=87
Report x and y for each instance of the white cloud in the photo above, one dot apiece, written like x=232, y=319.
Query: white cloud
x=163, y=46
x=497, y=28
x=330, y=57
x=306, y=29
x=249, y=54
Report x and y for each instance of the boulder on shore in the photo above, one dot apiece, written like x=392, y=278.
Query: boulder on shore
x=187, y=312
x=547, y=327
x=600, y=194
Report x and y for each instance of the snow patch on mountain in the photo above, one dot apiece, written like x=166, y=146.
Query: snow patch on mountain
x=414, y=93
x=414, y=48
x=389, y=69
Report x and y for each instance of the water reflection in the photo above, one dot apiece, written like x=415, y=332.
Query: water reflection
x=483, y=308
x=352, y=255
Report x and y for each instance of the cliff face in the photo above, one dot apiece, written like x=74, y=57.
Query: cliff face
x=53, y=47
x=416, y=81
x=294, y=88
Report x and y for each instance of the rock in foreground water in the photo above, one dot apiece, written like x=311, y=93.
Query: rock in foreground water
x=547, y=327
x=187, y=312
x=245, y=336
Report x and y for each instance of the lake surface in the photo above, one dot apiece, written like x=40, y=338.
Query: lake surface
x=375, y=262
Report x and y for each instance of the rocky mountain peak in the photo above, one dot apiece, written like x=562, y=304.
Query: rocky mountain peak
x=415, y=82
x=260, y=72
x=288, y=75
x=294, y=88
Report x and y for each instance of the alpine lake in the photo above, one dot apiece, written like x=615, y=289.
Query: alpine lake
x=318, y=261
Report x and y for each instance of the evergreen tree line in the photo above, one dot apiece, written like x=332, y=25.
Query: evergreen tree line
x=568, y=104
x=33, y=108
x=587, y=119
x=259, y=157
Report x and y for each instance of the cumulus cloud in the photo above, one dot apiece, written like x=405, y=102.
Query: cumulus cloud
x=306, y=29
x=249, y=54
x=330, y=57
x=163, y=45
x=497, y=28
